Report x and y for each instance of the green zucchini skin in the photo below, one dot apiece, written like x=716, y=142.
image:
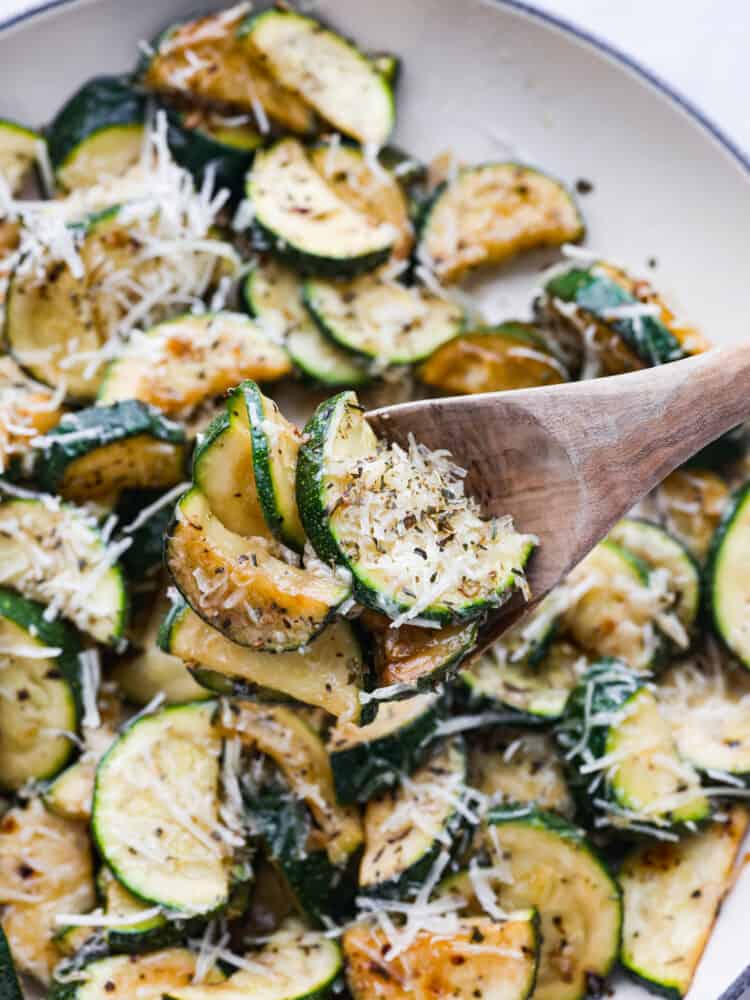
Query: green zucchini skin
x=198, y=151
x=105, y=102
x=323, y=891
x=101, y=426
x=10, y=988
x=595, y=294
x=362, y=770
x=144, y=554
x=318, y=266
x=732, y=533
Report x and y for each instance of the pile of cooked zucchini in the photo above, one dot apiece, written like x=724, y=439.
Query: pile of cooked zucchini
x=245, y=749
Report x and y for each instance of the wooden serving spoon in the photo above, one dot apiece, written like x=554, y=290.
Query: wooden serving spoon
x=568, y=461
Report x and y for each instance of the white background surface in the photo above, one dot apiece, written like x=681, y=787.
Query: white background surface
x=699, y=46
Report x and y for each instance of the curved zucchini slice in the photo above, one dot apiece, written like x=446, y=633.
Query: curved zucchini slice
x=143, y=516
x=326, y=70
x=294, y=963
x=129, y=265
x=40, y=692
x=10, y=988
x=728, y=587
x=152, y=671
x=148, y=977
x=301, y=757
x=45, y=869
x=27, y=410
x=537, y=694
x=491, y=212
x=18, y=152
x=399, y=851
x=330, y=674
x=54, y=554
x=553, y=868
x=671, y=896
x=367, y=759
x=405, y=556
x=156, y=810
x=382, y=320
x=493, y=359
x=691, y=503
x=616, y=612
x=411, y=659
x=240, y=588
x=375, y=191
x=619, y=306
x=306, y=223
x=480, y=958
x=249, y=479
x=514, y=765
x=105, y=449
x=179, y=364
x=274, y=295
x=208, y=143
x=97, y=134
x=670, y=559
x=626, y=767
x=204, y=62
x=69, y=794
x=707, y=706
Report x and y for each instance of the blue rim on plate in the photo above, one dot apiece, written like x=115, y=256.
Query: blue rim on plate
x=741, y=986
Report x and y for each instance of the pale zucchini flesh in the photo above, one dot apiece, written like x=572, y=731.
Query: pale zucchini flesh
x=148, y=976
x=18, y=152
x=728, y=591
x=156, y=809
x=327, y=71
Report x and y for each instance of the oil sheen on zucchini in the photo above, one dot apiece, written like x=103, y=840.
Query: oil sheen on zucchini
x=489, y=213
x=222, y=574
x=40, y=692
x=371, y=508
x=105, y=449
x=331, y=675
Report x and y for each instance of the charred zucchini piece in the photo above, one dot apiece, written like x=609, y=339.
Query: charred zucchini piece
x=238, y=586
x=53, y=553
x=367, y=759
x=411, y=659
x=331, y=674
x=402, y=565
x=156, y=806
x=371, y=188
x=489, y=213
x=46, y=868
x=381, y=319
x=179, y=364
x=148, y=976
x=444, y=964
x=273, y=295
x=97, y=134
x=626, y=768
x=204, y=62
x=671, y=896
x=326, y=70
x=40, y=692
x=105, y=449
x=493, y=359
x=306, y=223
x=27, y=410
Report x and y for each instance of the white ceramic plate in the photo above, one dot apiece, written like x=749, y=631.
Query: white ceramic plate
x=495, y=79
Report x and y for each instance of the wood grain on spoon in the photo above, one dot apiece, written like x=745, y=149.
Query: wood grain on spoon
x=567, y=461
